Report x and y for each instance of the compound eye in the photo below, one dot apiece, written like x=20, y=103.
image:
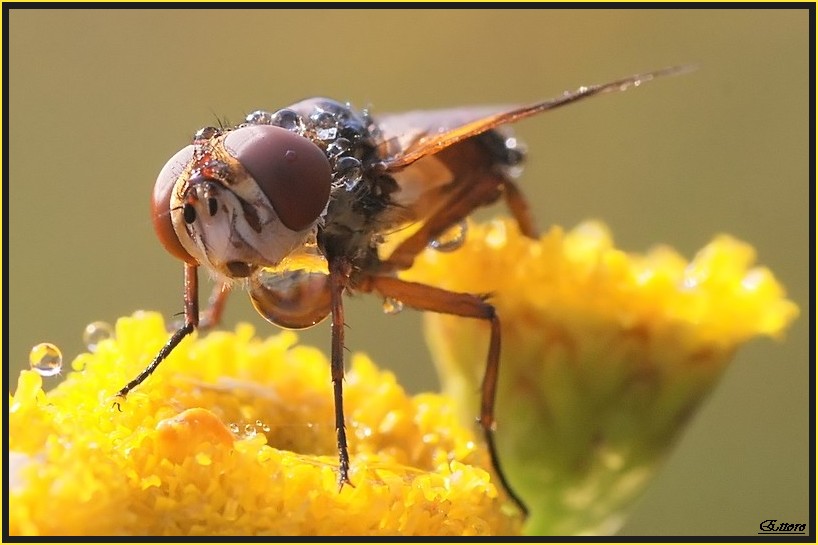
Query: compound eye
x=291, y=171
x=160, y=204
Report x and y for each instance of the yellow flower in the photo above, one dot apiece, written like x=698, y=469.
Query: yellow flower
x=605, y=355
x=233, y=435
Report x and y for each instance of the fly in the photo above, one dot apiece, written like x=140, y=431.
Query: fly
x=294, y=204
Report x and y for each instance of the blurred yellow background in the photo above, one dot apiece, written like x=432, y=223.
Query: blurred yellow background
x=99, y=100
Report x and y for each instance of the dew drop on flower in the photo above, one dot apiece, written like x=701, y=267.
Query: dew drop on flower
x=392, y=305
x=452, y=239
x=249, y=430
x=234, y=428
x=45, y=359
x=95, y=333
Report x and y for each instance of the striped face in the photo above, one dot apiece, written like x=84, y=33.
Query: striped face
x=237, y=201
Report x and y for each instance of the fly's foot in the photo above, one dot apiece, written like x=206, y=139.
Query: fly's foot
x=119, y=398
x=343, y=474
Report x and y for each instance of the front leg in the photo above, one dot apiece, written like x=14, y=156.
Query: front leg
x=190, y=325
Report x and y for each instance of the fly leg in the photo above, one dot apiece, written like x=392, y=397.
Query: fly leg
x=518, y=206
x=190, y=325
x=424, y=297
x=339, y=270
x=212, y=316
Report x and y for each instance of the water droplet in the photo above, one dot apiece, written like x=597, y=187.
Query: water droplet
x=95, y=333
x=324, y=120
x=288, y=119
x=452, y=239
x=234, y=428
x=45, y=359
x=338, y=147
x=348, y=171
x=327, y=134
x=249, y=430
x=262, y=426
x=206, y=133
x=392, y=305
x=259, y=117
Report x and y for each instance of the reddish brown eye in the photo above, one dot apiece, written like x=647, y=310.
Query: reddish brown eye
x=160, y=204
x=291, y=171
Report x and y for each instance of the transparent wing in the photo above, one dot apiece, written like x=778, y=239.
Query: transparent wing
x=410, y=136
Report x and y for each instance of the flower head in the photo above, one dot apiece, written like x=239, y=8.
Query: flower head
x=605, y=355
x=234, y=435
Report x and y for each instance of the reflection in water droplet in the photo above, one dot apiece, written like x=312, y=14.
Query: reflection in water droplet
x=392, y=305
x=324, y=120
x=249, y=430
x=452, y=239
x=234, y=428
x=265, y=428
x=45, y=359
x=259, y=117
x=348, y=172
x=338, y=147
x=95, y=333
x=327, y=134
x=288, y=119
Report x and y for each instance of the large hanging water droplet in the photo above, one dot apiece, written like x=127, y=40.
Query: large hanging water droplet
x=452, y=239
x=45, y=359
x=392, y=305
x=95, y=333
